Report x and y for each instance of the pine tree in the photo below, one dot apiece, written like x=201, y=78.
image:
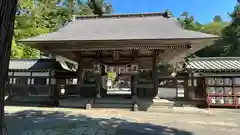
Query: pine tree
x=231, y=34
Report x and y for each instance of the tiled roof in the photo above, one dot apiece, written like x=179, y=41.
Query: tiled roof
x=34, y=64
x=214, y=64
x=120, y=27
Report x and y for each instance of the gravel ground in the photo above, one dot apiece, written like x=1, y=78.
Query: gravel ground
x=59, y=121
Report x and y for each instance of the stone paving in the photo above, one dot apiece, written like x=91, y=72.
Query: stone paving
x=59, y=121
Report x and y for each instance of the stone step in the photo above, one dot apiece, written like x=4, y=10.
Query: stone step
x=112, y=101
x=160, y=109
x=73, y=102
x=121, y=106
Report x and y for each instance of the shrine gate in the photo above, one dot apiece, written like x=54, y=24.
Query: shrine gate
x=126, y=44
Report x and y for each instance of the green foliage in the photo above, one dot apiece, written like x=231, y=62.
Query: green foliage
x=46, y=16
x=36, y=19
x=188, y=22
x=100, y=7
x=231, y=34
x=215, y=27
x=217, y=18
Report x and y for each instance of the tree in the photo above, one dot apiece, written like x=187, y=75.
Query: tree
x=7, y=17
x=214, y=27
x=34, y=19
x=217, y=18
x=100, y=7
x=231, y=34
x=215, y=50
x=187, y=22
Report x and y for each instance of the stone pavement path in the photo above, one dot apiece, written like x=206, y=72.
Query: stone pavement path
x=53, y=121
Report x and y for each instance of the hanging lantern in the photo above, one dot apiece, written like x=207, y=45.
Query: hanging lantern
x=122, y=69
x=109, y=68
x=134, y=68
x=62, y=90
x=128, y=69
x=96, y=68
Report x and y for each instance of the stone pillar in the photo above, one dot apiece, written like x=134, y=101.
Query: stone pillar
x=155, y=74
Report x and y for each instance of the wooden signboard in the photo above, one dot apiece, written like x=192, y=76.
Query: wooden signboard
x=122, y=69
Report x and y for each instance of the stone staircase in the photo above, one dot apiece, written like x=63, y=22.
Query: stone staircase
x=119, y=103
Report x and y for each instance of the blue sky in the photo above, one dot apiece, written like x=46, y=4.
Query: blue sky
x=202, y=10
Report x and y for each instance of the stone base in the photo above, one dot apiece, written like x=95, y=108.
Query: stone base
x=4, y=131
x=135, y=107
x=88, y=106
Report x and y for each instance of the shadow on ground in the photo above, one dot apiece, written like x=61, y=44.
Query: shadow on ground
x=32, y=122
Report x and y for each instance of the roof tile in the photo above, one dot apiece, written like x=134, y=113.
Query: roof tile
x=119, y=27
x=214, y=63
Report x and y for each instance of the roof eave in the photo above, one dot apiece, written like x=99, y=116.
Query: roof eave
x=27, y=41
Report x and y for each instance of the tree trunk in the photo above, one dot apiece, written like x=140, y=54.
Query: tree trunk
x=7, y=17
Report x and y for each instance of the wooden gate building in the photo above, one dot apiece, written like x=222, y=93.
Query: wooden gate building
x=124, y=43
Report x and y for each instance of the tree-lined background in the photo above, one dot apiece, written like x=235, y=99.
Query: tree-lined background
x=35, y=17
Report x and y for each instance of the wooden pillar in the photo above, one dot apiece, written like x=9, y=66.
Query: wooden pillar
x=80, y=73
x=186, y=88
x=155, y=74
x=133, y=85
x=98, y=85
x=134, y=75
x=99, y=69
x=97, y=74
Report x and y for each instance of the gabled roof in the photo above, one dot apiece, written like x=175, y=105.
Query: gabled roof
x=214, y=64
x=120, y=27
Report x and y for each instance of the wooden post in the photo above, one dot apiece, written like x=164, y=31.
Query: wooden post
x=98, y=85
x=134, y=91
x=7, y=18
x=80, y=73
x=98, y=78
x=186, y=88
x=133, y=85
x=98, y=75
x=155, y=74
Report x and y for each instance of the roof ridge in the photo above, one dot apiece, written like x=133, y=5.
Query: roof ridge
x=120, y=15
